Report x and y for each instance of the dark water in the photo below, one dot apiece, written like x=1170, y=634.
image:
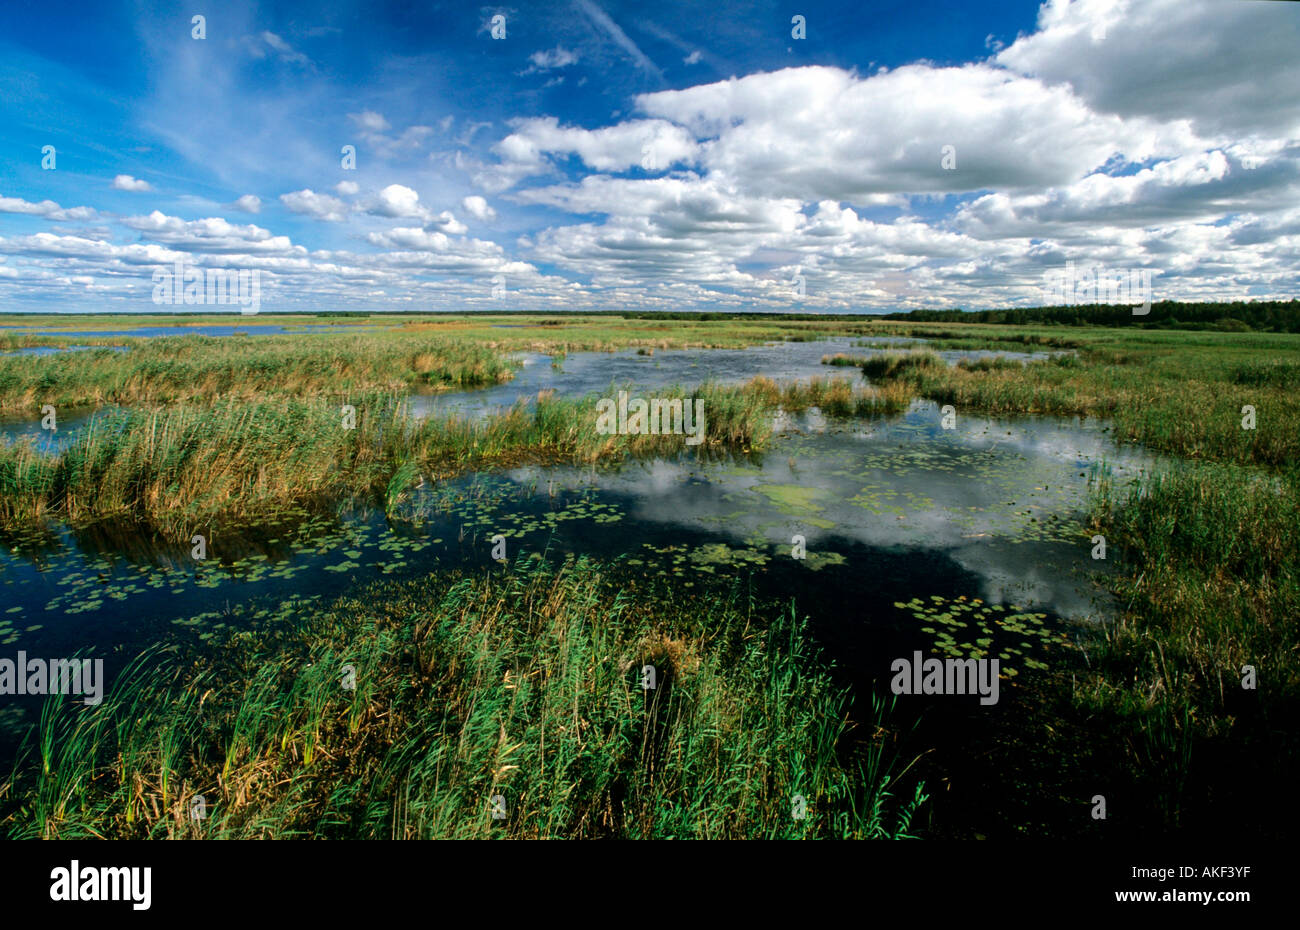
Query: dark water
x=889, y=510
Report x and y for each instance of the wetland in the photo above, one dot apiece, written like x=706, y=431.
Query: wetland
x=452, y=599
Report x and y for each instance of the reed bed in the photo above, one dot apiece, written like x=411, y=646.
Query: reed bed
x=1210, y=587
x=891, y=365
x=1183, y=398
x=508, y=705
x=403, y=353
x=844, y=360
x=836, y=397
x=178, y=369
x=181, y=465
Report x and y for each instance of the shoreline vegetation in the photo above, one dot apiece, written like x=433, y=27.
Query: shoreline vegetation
x=1208, y=549
x=178, y=369
x=507, y=705
x=176, y=466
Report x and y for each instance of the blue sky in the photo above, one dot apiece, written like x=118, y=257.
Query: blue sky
x=648, y=156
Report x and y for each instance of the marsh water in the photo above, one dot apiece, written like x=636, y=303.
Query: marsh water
x=891, y=533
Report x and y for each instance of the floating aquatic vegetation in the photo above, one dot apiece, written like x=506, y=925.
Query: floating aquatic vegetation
x=707, y=557
x=816, y=561
x=969, y=628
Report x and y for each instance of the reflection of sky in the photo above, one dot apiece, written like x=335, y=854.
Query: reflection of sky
x=1002, y=498
x=998, y=501
x=580, y=374
x=68, y=423
x=583, y=373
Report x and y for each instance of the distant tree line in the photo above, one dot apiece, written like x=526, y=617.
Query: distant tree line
x=1280, y=316
x=1276, y=316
